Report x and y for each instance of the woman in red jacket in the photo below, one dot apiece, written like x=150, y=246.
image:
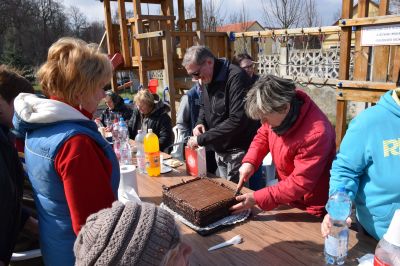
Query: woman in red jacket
x=301, y=141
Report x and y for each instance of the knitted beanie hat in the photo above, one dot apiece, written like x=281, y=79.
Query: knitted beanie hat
x=131, y=234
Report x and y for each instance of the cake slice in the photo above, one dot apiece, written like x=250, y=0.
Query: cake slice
x=201, y=201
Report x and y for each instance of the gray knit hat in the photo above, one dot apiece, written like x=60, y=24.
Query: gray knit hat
x=131, y=234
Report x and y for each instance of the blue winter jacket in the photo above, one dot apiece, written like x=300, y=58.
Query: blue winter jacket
x=368, y=165
x=41, y=146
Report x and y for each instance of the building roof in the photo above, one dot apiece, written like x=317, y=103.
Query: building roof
x=237, y=27
x=354, y=7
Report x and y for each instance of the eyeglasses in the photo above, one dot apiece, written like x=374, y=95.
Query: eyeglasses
x=248, y=66
x=197, y=73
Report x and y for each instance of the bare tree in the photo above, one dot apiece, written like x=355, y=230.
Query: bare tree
x=282, y=13
x=394, y=6
x=77, y=21
x=241, y=16
x=311, y=15
x=190, y=11
x=212, y=14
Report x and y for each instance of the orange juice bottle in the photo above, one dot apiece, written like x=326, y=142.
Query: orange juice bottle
x=152, y=153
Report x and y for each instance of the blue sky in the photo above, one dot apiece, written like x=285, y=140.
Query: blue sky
x=93, y=9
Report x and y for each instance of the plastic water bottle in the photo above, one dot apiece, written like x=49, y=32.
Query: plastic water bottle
x=336, y=243
x=123, y=131
x=116, y=139
x=125, y=148
x=141, y=161
x=152, y=153
x=387, y=252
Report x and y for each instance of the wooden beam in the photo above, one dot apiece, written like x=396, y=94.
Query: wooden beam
x=148, y=35
x=367, y=85
x=169, y=72
x=181, y=15
x=284, y=32
x=150, y=17
x=110, y=41
x=394, y=67
x=381, y=53
x=359, y=95
x=383, y=7
x=361, y=53
x=183, y=34
x=167, y=7
x=380, y=63
x=199, y=14
x=391, y=19
x=124, y=33
x=108, y=26
x=345, y=44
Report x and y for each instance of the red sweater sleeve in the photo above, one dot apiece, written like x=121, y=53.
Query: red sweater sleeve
x=85, y=172
x=309, y=164
x=259, y=148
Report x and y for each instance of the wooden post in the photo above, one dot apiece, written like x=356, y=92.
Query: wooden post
x=167, y=7
x=345, y=44
x=199, y=14
x=253, y=48
x=394, y=64
x=361, y=53
x=138, y=44
x=381, y=53
x=124, y=33
x=169, y=72
x=110, y=37
x=181, y=14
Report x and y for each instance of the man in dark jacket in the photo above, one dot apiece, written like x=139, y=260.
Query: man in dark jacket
x=222, y=124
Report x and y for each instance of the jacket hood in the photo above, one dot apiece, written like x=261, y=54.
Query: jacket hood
x=387, y=102
x=33, y=112
x=159, y=108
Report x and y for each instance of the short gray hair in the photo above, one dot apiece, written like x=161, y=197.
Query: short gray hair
x=269, y=94
x=196, y=55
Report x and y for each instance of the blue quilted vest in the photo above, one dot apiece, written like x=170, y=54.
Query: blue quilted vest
x=41, y=147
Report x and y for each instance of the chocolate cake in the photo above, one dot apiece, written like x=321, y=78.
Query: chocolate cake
x=201, y=201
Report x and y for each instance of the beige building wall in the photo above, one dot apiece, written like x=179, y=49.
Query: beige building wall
x=332, y=41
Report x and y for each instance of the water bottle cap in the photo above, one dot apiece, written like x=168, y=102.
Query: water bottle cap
x=393, y=233
x=139, y=131
x=150, y=130
x=121, y=119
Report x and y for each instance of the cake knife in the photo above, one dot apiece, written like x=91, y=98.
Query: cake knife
x=233, y=241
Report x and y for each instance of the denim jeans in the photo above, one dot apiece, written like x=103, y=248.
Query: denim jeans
x=229, y=164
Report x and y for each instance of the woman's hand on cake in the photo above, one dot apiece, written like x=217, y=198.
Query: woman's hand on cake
x=245, y=172
x=247, y=201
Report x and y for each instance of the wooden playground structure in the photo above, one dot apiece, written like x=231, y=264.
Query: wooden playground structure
x=153, y=42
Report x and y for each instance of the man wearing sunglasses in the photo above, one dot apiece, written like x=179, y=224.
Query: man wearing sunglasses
x=222, y=124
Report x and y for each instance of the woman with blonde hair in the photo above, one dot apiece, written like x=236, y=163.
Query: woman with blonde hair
x=73, y=170
x=152, y=113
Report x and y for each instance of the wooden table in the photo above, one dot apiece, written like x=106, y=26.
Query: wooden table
x=284, y=236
